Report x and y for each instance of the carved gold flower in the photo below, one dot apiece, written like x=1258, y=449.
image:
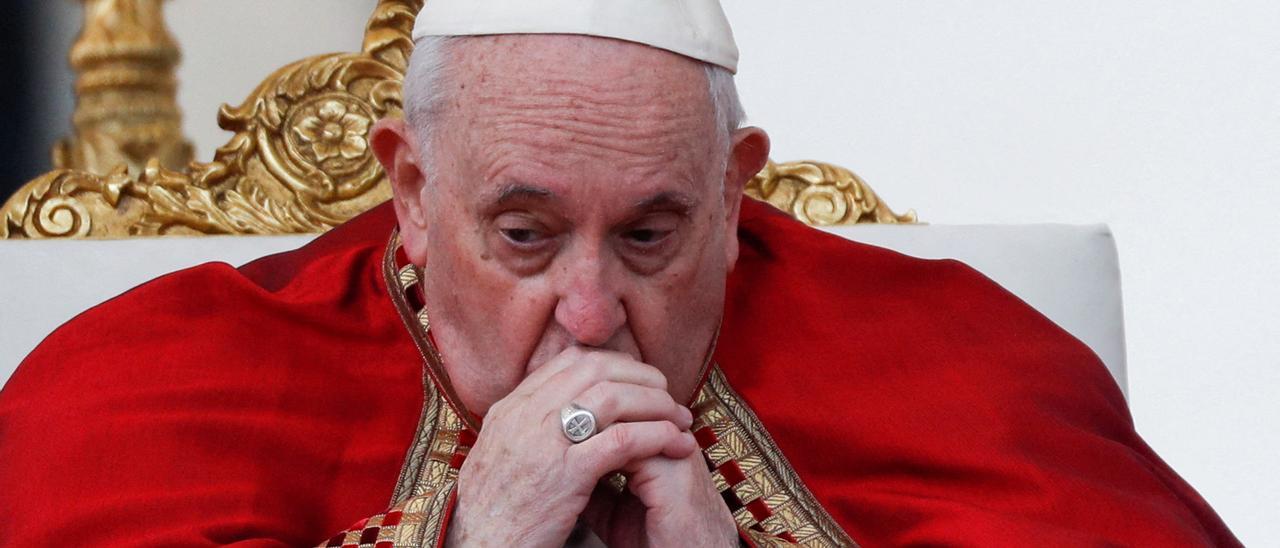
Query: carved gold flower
x=335, y=131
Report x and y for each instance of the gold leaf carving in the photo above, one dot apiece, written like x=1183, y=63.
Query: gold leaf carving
x=299, y=159
x=126, y=108
x=822, y=194
x=298, y=162
x=59, y=204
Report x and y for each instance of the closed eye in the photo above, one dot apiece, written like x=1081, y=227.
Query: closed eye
x=646, y=235
x=522, y=236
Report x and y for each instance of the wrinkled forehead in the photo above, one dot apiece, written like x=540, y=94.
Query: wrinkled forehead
x=565, y=90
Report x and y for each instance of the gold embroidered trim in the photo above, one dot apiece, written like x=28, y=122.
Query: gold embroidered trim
x=422, y=523
x=415, y=321
x=429, y=476
x=765, y=540
x=429, y=463
x=741, y=438
x=414, y=523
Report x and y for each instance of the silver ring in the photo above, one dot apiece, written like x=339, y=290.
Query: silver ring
x=577, y=423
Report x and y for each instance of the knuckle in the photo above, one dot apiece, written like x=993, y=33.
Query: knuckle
x=565, y=361
x=588, y=366
x=610, y=389
x=659, y=379
x=619, y=439
x=507, y=405
x=550, y=421
x=499, y=408
x=604, y=367
x=599, y=398
x=660, y=383
x=660, y=395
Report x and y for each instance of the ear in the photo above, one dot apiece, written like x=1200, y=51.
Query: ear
x=748, y=156
x=397, y=150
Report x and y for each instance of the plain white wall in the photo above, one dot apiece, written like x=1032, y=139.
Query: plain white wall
x=1161, y=118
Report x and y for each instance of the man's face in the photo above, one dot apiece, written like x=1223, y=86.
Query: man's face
x=576, y=197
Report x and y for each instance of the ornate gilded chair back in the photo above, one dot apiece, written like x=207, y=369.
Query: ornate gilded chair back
x=299, y=159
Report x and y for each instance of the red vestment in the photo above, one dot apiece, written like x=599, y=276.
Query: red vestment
x=272, y=405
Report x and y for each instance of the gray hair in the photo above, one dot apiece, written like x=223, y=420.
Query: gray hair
x=424, y=92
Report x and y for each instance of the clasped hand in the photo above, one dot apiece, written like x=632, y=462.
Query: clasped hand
x=525, y=484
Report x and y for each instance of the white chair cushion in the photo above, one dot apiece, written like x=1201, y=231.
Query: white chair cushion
x=1069, y=273
x=46, y=283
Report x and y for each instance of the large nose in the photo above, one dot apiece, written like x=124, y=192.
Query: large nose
x=590, y=306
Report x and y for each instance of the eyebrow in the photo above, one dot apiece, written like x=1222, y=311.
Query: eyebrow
x=518, y=192
x=676, y=202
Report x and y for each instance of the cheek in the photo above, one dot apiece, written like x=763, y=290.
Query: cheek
x=482, y=291
x=467, y=285
x=682, y=299
x=487, y=323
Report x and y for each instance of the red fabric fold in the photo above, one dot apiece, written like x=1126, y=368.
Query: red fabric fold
x=272, y=405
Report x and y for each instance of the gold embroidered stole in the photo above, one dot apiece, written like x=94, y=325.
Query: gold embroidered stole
x=770, y=503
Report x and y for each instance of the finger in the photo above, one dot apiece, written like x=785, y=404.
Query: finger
x=613, y=402
x=624, y=442
x=683, y=500
x=576, y=357
x=556, y=364
x=662, y=479
x=664, y=466
x=601, y=507
x=596, y=367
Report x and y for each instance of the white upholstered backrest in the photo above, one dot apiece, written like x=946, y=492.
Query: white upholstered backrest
x=1069, y=273
x=47, y=282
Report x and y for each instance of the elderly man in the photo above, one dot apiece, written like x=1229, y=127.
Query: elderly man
x=581, y=332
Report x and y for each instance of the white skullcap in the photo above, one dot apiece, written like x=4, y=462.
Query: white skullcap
x=693, y=28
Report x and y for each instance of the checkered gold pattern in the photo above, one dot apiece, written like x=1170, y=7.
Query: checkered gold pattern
x=769, y=502
x=414, y=523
